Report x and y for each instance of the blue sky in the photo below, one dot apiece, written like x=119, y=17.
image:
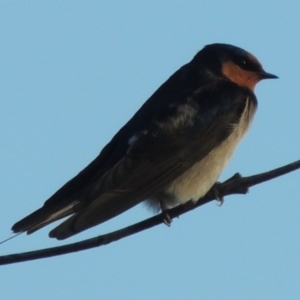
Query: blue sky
x=72, y=73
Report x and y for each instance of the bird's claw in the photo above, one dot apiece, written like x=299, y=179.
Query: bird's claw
x=217, y=193
x=166, y=218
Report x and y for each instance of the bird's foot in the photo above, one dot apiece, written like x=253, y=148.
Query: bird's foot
x=217, y=193
x=166, y=218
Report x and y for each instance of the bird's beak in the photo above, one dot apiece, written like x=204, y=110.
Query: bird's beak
x=265, y=75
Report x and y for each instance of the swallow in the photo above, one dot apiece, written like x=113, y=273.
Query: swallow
x=170, y=152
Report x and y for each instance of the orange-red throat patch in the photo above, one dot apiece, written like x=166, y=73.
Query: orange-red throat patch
x=239, y=76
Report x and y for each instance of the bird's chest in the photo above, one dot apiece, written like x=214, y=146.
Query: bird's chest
x=196, y=181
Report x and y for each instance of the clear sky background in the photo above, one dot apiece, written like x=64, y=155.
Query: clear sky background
x=72, y=73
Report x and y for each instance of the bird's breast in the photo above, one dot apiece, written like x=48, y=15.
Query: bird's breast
x=196, y=181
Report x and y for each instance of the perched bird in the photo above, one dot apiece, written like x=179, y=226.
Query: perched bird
x=171, y=151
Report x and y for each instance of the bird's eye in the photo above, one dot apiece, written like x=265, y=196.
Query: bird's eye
x=244, y=63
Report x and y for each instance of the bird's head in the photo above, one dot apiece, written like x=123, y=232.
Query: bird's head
x=232, y=63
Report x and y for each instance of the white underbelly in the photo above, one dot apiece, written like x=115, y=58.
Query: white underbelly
x=197, y=181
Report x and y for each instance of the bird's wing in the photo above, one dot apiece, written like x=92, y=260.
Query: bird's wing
x=123, y=175
x=151, y=164
x=61, y=203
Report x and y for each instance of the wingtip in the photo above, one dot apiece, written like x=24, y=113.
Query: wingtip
x=64, y=230
x=60, y=234
x=17, y=228
x=56, y=234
